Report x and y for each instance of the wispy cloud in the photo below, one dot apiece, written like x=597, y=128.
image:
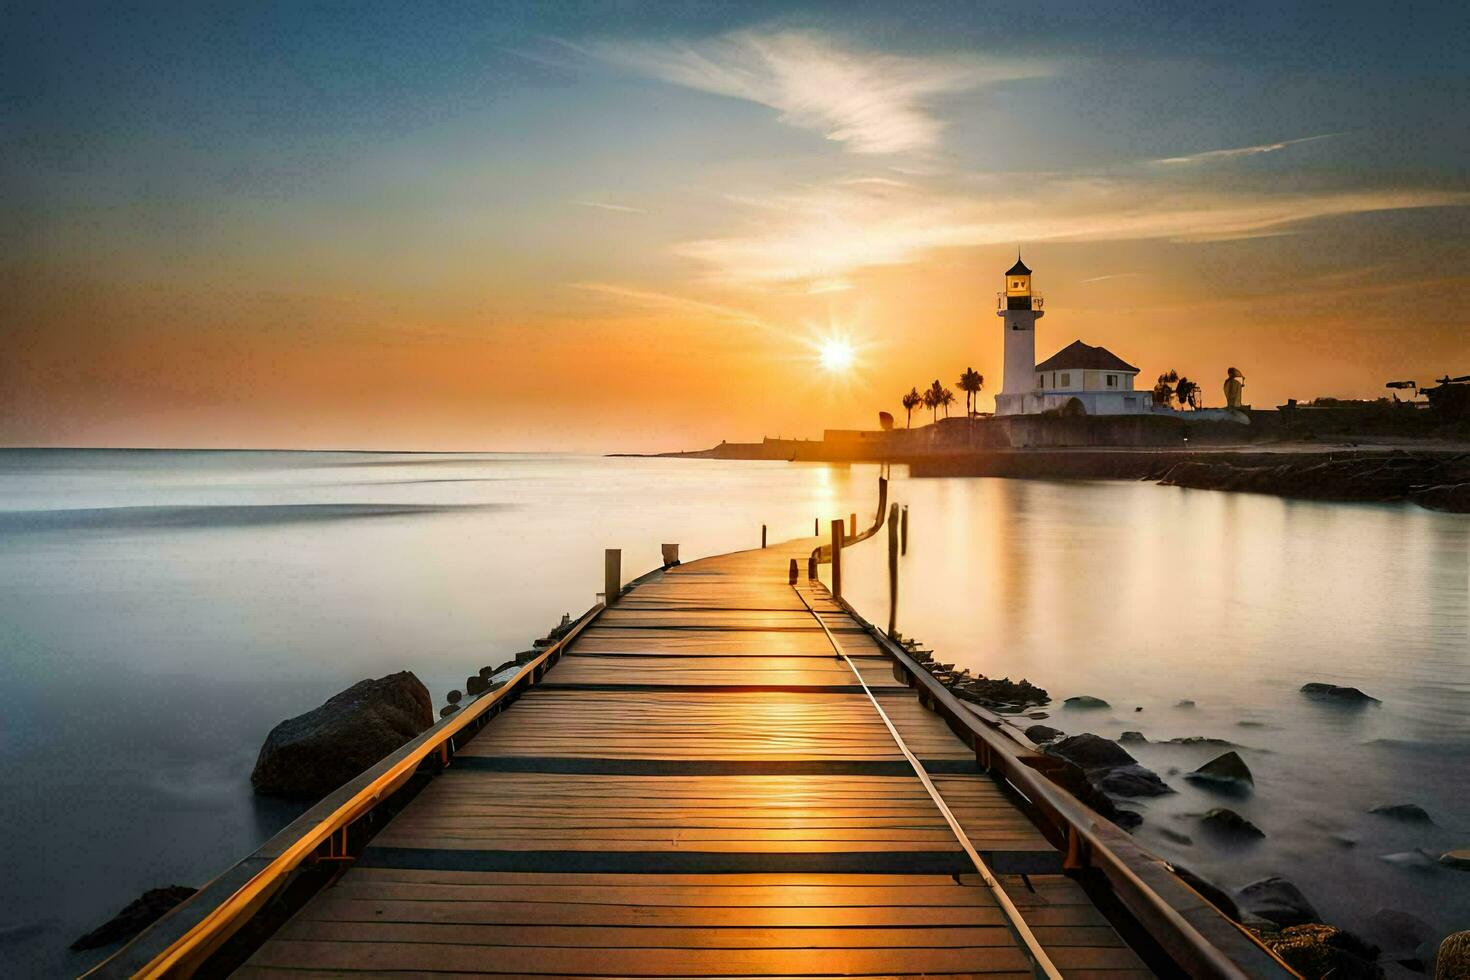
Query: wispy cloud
x=1210, y=156
x=831, y=232
x=669, y=303
x=1114, y=275
x=868, y=101
x=604, y=206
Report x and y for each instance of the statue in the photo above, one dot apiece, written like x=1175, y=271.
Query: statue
x=1234, y=382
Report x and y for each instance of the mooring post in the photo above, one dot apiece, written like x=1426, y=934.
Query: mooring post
x=816, y=527
x=671, y=554
x=763, y=535
x=792, y=573
x=612, y=575
x=811, y=567
x=852, y=525
x=893, y=571
x=904, y=542
x=837, y=557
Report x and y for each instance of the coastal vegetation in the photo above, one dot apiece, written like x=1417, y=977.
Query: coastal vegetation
x=971, y=382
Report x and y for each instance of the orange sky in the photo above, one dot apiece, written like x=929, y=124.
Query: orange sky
x=634, y=241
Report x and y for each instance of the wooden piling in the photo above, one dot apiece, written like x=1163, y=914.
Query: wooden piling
x=904, y=532
x=612, y=574
x=763, y=535
x=893, y=571
x=791, y=574
x=852, y=525
x=837, y=557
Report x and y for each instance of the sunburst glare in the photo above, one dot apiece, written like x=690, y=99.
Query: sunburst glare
x=836, y=355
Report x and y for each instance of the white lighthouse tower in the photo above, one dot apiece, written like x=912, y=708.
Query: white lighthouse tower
x=1019, y=310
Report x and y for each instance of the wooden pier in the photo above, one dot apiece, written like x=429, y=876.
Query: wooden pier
x=722, y=774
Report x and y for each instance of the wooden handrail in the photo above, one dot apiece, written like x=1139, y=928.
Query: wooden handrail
x=823, y=553
x=173, y=947
x=1201, y=939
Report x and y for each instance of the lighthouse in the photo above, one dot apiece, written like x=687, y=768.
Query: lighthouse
x=1019, y=310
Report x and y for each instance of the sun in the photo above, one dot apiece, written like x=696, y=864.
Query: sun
x=836, y=355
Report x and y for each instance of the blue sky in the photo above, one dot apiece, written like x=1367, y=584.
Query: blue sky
x=226, y=186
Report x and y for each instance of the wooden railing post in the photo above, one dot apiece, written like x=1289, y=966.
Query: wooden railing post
x=837, y=557
x=612, y=575
x=893, y=571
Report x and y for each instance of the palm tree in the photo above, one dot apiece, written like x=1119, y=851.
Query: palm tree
x=1164, y=390
x=910, y=402
x=933, y=398
x=1187, y=392
x=946, y=399
x=970, y=383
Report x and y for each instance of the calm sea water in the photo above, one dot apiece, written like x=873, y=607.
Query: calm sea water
x=159, y=612
x=1146, y=596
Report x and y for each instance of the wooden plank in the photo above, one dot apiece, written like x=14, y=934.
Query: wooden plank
x=703, y=723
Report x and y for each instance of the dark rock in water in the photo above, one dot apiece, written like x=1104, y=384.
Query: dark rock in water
x=1211, y=892
x=453, y=697
x=1452, y=962
x=1037, y=715
x=1315, y=950
x=1132, y=780
x=1246, y=723
x=1458, y=859
x=1132, y=738
x=1201, y=740
x=1127, y=819
x=1398, y=934
x=526, y=656
x=1331, y=692
x=1002, y=691
x=1407, y=812
x=1138, y=707
x=1227, y=771
x=140, y=913
x=448, y=710
x=1186, y=703
x=1227, y=821
x=1085, y=701
x=1089, y=752
x=1343, y=840
x=308, y=756
x=1043, y=733
x=1176, y=837
x=475, y=685
x=487, y=671
x=1277, y=900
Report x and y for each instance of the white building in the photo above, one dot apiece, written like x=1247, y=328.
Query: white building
x=1096, y=377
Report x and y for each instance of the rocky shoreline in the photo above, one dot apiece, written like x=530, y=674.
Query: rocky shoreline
x=1106, y=776
x=1433, y=478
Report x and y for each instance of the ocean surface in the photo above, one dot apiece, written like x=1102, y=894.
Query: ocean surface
x=1147, y=596
x=160, y=611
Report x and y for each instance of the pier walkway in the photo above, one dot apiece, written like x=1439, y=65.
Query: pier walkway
x=702, y=787
x=722, y=773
